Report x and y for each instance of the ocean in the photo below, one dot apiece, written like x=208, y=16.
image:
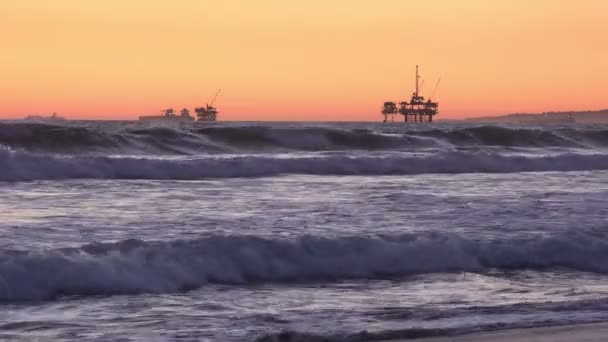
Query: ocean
x=128, y=231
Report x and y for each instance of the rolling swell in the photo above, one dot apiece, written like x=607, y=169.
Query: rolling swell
x=45, y=137
x=193, y=139
x=86, y=139
x=134, y=266
x=131, y=138
x=511, y=136
x=23, y=166
x=311, y=138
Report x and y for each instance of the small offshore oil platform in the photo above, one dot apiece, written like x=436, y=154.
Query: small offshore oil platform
x=417, y=110
x=169, y=114
x=206, y=113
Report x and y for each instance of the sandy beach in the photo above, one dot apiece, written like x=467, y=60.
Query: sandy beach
x=568, y=333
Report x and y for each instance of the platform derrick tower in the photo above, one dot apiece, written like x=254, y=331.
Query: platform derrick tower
x=208, y=113
x=417, y=109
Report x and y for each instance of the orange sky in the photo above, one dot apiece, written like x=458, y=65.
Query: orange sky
x=300, y=60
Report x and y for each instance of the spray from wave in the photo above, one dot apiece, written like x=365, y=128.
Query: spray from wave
x=134, y=266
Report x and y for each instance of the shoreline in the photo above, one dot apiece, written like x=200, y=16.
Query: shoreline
x=584, y=332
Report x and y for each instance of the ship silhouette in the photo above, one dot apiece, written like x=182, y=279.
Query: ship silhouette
x=52, y=117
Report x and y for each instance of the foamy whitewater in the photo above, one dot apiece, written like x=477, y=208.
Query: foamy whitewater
x=310, y=231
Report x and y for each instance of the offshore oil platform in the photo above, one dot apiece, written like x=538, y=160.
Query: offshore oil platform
x=206, y=113
x=417, y=110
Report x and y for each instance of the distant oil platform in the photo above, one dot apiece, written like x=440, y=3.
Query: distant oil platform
x=417, y=110
x=206, y=113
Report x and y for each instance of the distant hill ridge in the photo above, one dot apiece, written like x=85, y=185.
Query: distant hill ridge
x=598, y=116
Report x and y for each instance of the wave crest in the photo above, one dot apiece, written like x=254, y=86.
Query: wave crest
x=129, y=138
x=20, y=166
x=134, y=266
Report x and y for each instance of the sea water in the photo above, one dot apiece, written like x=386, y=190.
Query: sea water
x=348, y=231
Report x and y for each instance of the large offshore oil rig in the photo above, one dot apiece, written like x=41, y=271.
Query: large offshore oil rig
x=417, y=110
x=206, y=113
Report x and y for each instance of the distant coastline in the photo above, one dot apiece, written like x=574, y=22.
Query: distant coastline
x=599, y=116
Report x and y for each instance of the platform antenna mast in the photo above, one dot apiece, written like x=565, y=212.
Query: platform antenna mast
x=215, y=97
x=417, y=81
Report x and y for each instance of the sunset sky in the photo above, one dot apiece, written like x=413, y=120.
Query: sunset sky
x=300, y=60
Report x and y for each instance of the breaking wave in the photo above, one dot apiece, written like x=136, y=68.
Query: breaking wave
x=134, y=266
x=21, y=166
x=130, y=138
